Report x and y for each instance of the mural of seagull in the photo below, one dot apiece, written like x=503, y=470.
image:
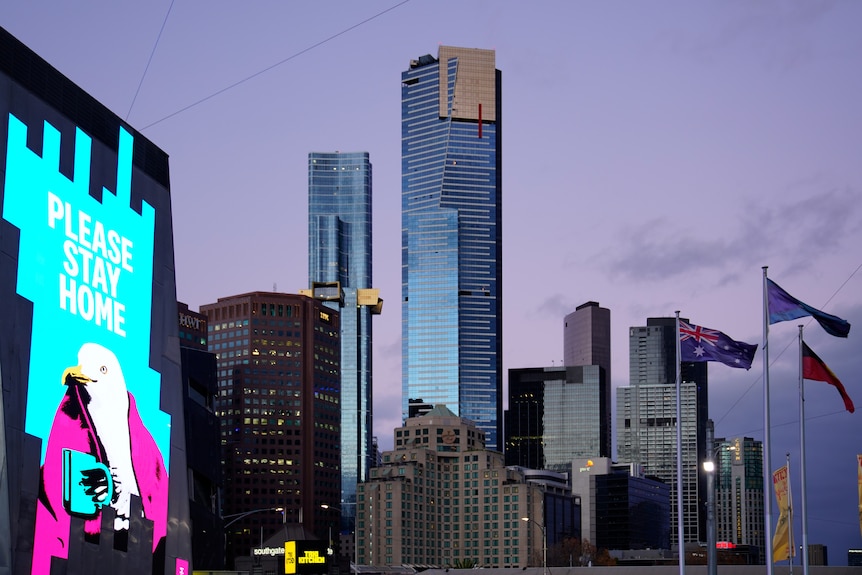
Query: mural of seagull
x=97, y=418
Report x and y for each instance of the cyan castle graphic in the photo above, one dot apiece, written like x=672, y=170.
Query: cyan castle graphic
x=87, y=267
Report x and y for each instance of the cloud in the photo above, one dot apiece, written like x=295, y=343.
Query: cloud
x=556, y=306
x=799, y=231
x=783, y=35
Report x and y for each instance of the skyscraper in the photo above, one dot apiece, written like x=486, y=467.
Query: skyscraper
x=339, y=256
x=587, y=337
x=555, y=415
x=277, y=357
x=739, y=492
x=451, y=236
x=646, y=419
x=587, y=341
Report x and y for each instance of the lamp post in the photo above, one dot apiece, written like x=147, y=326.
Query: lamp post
x=355, y=546
x=237, y=516
x=711, y=560
x=709, y=468
x=234, y=517
x=544, y=542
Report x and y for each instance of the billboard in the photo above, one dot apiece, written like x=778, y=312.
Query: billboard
x=305, y=557
x=86, y=280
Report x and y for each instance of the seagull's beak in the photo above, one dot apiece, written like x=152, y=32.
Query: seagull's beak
x=74, y=376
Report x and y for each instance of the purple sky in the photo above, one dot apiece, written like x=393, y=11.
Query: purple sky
x=655, y=156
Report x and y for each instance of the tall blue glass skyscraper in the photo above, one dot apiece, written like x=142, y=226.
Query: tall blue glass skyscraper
x=339, y=256
x=451, y=237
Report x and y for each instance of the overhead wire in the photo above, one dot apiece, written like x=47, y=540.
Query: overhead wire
x=277, y=64
x=152, y=53
x=786, y=347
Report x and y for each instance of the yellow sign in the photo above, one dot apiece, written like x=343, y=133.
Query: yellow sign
x=289, y=557
x=859, y=475
x=305, y=557
x=311, y=557
x=782, y=543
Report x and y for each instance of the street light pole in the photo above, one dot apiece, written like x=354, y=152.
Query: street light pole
x=237, y=516
x=544, y=543
x=711, y=559
x=355, y=546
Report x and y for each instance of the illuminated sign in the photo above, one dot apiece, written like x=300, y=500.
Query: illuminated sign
x=725, y=545
x=86, y=265
x=192, y=322
x=305, y=557
x=268, y=551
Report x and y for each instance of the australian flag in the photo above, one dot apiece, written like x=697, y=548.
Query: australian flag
x=698, y=343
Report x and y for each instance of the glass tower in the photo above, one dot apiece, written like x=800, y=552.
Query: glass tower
x=739, y=491
x=555, y=415
x=451, y=237
x=339, y=250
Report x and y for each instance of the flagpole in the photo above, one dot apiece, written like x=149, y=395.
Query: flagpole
x=680, y=532
x=767, y=453
x=802, y=460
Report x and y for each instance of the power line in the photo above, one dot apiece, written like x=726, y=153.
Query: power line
x=144, y=75
x=789, y=343
x=268, y=68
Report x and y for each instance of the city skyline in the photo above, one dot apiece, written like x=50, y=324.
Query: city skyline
x=657, y=156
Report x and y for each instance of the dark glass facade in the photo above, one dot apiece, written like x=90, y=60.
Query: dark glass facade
x=203, y=440
x=279, y=404
x=631, y=512
x=556, y=414
x=451, y=236
x=339, y=250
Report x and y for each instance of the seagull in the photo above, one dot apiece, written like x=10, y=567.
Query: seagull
x=99, y=370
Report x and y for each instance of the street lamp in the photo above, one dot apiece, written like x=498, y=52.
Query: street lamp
x=355, y=546
x=544, y=542
x=711, y=560
x=709, y=468
x=234, y=517
x=237, y=516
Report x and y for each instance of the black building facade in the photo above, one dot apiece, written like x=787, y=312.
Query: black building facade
x=631, y=512
x=203, y=440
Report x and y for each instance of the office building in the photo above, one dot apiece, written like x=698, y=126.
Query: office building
x=739, y=492
x=440, y=499
x=92, y=397
x=646, y=420
x=587, y=337
x=631, y=512
x=587, y=341
x=646, y=436
x=203, y=440
x=555, y=415
x=621, y=508
x=339, y=259
x=451, y=217
x=279, y=403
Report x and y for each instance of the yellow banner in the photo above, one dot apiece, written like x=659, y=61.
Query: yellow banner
x=859, y=476
x=782, y=542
